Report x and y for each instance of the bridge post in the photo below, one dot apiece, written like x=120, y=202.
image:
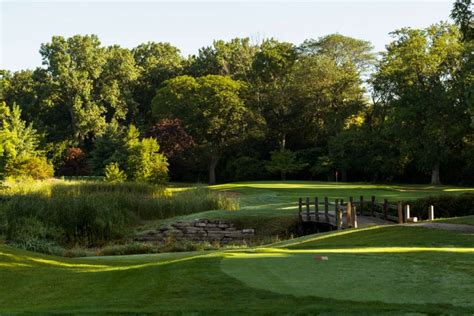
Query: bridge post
x=354, y=216
x=339, y=219
x=361, y=205
x=407, y=212
x=326, y=209
x=372, y=206
x=349, y=215
x=316, y=208
x=308, y=214
x=431, y=213
x=300, y=208
x=400, y=212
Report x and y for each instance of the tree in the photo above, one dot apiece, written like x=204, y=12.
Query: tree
x=271, y=84
x=19, y=154
x=346, y=52
x=210, y=108
x=415, y=80
x=76, y=64
x=115, y=83
x=113, y=173
x=328, y=82
x=108, y=148
x=156, y=62
x=233, y=58
x=463, y=16
x=284, y=162
x=172, y=137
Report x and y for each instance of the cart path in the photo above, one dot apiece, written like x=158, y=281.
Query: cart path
x=446, y=226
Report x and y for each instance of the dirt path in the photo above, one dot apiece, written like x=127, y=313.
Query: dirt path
x=446, y=226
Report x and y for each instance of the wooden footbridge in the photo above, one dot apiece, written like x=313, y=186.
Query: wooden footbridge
x=340, y=214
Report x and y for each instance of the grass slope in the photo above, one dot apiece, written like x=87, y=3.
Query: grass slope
x=378, y=270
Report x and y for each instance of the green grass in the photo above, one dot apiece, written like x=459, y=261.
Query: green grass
x=389, y=269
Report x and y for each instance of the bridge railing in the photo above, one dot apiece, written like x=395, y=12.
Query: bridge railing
x=324, y=211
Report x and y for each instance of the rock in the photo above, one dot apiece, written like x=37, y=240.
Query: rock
x=213, y=229
x=248, y=231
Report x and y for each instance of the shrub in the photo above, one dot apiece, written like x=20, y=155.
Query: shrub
x=33, y=167
x=145, y=163
x=128, y=249
x=74, y=163
x=41, y=245
x=113, y=173
x=445, y=205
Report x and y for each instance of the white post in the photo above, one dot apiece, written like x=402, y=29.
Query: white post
x=431, y=213
x=407, y=212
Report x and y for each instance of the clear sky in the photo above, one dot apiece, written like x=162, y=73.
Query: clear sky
x=190, y=25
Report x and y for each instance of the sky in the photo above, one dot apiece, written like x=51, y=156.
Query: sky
x=189, y=25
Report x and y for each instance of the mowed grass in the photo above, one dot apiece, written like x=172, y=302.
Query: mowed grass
x=388, y=269
x=276, y=198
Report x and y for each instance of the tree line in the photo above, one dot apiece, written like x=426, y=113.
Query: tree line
x=244, y=111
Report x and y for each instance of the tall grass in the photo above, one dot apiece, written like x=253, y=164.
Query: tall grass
x=91, y=213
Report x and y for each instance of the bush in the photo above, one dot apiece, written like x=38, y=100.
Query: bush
x=41, y=245
x=29, y=167
x=145, y=163
x=113, y=173
x=74, y=163
x=444, y=205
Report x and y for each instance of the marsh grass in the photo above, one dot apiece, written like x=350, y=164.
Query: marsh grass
x=91, y=213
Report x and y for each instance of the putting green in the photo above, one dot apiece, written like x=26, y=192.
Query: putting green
x=389, y=275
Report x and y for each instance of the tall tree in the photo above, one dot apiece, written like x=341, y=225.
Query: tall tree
x=157, y=62
x=271, y=81
x=415, y=80
x=463, y=16
x=76, y=64
x=210, y=108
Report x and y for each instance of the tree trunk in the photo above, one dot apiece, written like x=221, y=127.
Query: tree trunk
x=212, y=169
x=283, y=176
x=435, y=175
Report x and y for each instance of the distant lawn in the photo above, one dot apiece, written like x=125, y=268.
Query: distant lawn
x=376, y=270
x=276, y=198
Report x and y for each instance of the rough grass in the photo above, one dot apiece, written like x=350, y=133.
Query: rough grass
x=92, y=213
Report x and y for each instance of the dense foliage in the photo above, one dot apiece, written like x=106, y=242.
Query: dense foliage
x=445, y=206
x=241, y=111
